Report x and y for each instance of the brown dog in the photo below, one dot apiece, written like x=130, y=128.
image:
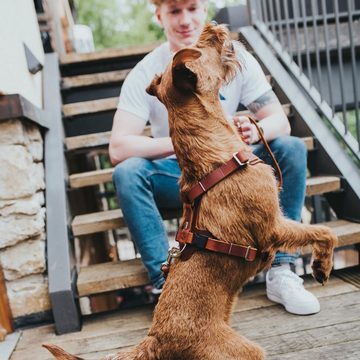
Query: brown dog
x=191, y=320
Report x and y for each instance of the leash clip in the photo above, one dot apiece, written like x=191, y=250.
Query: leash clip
x=173, y=253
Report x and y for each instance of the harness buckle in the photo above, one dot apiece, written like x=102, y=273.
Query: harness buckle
x=247, y=253
x=238, y=160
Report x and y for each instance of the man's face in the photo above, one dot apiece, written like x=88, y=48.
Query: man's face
x=183, y=21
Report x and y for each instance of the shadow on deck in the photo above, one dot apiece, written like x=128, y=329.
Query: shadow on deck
x=334, y=333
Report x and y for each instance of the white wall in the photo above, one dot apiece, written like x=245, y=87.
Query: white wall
x=18, y=25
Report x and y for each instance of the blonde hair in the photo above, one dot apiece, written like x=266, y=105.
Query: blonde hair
x=159, y=2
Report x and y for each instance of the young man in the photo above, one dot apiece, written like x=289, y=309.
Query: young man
x=147, y=172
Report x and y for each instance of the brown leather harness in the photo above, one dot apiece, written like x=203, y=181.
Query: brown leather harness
x=189, y=237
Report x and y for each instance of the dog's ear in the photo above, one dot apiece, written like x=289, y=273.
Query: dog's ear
x=184, y=69
x=214, y=36
x=152, y=89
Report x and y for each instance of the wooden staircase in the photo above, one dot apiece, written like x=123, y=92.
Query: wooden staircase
x=90, y=86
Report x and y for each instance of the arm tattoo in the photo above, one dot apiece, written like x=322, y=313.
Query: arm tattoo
x=268, y=98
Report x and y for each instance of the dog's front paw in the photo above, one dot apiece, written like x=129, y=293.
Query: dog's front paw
x=321, y=270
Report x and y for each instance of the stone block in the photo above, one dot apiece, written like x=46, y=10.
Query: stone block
x=28, y=295
x=23, y=259
x=36, y=149
x=33, y=133
x=38, y=172
x=13, y=132
x=16, y=228
x=17, y=172
x=30, y=205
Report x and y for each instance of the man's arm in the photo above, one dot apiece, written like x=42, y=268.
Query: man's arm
x=270, y=115
x=126, y=140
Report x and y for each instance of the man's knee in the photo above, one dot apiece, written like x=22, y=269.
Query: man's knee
x=290, y=147
x=127, y=173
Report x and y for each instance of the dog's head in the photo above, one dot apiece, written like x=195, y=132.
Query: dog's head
x=200, y=69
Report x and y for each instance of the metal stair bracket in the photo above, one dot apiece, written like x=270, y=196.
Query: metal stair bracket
x=61, y=267
x=335, y=158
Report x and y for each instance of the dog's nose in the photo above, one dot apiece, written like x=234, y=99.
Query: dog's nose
x=213, y=22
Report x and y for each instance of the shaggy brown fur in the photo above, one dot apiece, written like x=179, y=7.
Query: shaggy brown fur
x=191, y=320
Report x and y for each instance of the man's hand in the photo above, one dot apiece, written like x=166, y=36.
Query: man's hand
x=247, y=130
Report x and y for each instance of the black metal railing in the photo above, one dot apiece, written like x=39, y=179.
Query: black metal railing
x=319, y=42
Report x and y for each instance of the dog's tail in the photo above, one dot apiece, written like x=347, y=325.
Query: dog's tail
x=59, y=353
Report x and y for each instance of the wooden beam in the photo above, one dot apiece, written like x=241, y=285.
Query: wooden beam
x=107, y=54
x=94, y=79
x=6, y=326
x=15, y=106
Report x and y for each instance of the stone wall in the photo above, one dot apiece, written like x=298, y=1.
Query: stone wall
x=22, y=217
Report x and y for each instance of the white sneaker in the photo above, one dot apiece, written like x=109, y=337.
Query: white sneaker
x=286, y=288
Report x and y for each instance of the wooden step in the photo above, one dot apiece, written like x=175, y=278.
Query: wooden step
x=96, y=177
x=107, y=77
x=110, y=276
x=118, y=275
x=106, y=54
x=113, y=219
x=93, y=140
x=110, y=104
x=90, y=107
x=322, y=184
x=348, y=233
x=109, y=220
x=102, y=139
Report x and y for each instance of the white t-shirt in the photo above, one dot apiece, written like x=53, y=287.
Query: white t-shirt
x=249, y=84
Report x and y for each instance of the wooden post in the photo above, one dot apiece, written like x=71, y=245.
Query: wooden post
x=5, y=312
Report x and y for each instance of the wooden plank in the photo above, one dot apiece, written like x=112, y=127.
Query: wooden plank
x=94, y=79
x=109, y=220
x=6, y=326
x=309, y=143
x=110, y=276
x=348, y=232
x=350, y=275
x=107, y=77
x=253, y=297
x=8, y=346
x=338, y=341
x=96, y=177
x=110, y=104
x=93, y=140
x=90, y=107
x=322, y=184
x=15, y=106
x=107, y=54
x=90, y=178
x=275, y=323
x=97, y=222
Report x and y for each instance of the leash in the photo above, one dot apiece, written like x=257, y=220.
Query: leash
x=267, y=147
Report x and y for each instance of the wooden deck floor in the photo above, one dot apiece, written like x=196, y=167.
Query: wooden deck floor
x=334, y=333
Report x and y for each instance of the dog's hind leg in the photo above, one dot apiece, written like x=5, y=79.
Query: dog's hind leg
x=148, y=349
x=228, y=345
x=291, y=235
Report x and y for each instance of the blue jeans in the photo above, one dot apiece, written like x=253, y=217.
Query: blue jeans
x=143, y=186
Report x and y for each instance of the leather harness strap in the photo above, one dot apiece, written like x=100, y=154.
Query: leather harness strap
x=204, y=242
x=238, y=160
